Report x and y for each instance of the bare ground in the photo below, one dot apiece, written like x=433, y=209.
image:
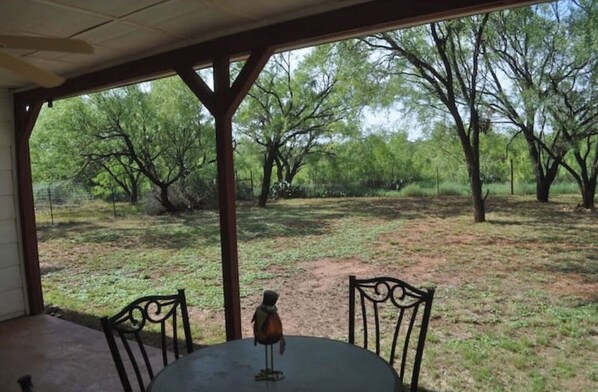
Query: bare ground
x=314, y=295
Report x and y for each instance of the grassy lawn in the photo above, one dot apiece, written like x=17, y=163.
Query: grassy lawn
x=516, y=306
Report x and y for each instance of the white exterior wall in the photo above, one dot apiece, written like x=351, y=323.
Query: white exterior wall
x=12, y=297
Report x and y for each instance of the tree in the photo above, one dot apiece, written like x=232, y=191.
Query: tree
x=521, y=52
x=120, y=170
x=574, y=114
x=293, y=110
x=441, y=63
x=157, y=130
x=573, y=106
x=53, y=142
x=573, y=97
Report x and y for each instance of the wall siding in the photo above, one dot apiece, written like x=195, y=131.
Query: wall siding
x=12, y=299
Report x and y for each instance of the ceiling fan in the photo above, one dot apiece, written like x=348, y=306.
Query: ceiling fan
x=34, y=73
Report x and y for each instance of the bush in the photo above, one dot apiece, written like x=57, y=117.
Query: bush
x=284, y=190
x=414, y=190
x=341, y=190
x=192, y=193
x=244, y=191
x=453, y=189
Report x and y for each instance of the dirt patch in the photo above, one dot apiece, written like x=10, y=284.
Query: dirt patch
x=314, y=300
x=576, y=285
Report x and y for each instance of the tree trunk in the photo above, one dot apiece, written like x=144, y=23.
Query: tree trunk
x=134, y=192
x=288, y=177
x=134, y=196
x=588, y=192
x=479, y=209
x=268, y=164
x=542, y=190
x=292, y=171
x=544, y=182
x=165, y=201
x=279, y=169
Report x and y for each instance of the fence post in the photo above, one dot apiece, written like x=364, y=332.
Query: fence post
x=437, y=182
x=512, y=181
x=251, y=182
x=51, y=208
x=113, y=201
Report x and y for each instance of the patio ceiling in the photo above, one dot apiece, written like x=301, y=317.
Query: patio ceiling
x=122, y=30
x=158, y=33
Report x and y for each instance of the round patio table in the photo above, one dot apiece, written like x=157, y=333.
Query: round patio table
x=309, y=364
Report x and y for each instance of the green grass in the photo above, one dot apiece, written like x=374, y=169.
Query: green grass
x=447, y=188
x=516, y=306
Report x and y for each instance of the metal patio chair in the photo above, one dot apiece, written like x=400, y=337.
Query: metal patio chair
x=128, y=324
x=390, y=316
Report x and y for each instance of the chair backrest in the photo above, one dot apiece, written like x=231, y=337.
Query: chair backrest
x=129, y=323
x=390, y=308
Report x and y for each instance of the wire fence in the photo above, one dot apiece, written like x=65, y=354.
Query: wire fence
x=66, y=201
x=59, y=195
x=58, y=200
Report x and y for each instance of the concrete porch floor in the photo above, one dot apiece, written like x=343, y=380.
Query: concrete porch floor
x=59, y=355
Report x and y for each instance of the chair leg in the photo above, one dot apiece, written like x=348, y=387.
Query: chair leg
x=26, y=383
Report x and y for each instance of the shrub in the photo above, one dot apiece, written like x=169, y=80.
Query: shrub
x=453, y=189
x=414, y=190
x=284, y=190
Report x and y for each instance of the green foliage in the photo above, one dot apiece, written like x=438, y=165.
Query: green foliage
x=54, y=142
x=414, y=190
x=452, y=189
x=284, y=190
x=296, y=108
x=126, y=139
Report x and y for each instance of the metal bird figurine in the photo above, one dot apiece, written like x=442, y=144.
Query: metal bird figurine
x=267, y=330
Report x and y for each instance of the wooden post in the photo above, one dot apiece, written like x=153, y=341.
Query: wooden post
x=222, y=104
x=51, y=208
x=226, y=200
x=25, y=118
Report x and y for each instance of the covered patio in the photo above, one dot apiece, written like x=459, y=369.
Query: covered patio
x=134, y=42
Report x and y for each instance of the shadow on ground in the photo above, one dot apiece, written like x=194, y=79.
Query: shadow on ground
x=149, y=338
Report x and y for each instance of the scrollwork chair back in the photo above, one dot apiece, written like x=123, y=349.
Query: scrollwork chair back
x=128, y=324
x=390, y=313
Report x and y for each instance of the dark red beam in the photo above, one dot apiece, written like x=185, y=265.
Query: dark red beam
x=222, y=103
x=25, y=118
x=226, y=200
x=345, y=22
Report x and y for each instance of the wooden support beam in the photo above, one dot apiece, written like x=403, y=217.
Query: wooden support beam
x=249, y=73
x=222, y=103
x=25, y=118
x=199, y=87
x=226, y=200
